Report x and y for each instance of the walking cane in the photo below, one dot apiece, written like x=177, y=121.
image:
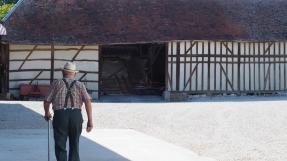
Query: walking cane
x=49, y=126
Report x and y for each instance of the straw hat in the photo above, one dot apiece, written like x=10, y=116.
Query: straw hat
x=70, y=67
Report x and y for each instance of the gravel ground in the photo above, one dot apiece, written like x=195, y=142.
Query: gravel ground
x=237, y=129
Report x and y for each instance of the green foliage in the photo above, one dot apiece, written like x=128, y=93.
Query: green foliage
x=4, y=9
x=8, y=1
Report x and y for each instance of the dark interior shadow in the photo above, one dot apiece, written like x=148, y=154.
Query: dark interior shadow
x=17, y=116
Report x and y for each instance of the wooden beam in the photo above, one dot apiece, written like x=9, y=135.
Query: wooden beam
x=27, y=56
x=37, y=76
x=227, y=48
x=83, y=76
x=177, y=65
x=191, y=74
x=78, y=52
x=226, y=76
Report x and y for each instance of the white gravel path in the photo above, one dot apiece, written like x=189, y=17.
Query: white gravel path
x=243, y=129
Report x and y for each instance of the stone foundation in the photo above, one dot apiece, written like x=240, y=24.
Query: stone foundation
x=175, y=96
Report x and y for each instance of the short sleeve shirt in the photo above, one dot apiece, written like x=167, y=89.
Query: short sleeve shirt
x=58, y=91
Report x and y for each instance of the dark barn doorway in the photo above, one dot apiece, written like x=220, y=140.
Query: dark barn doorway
x=137, y=69
x=4, y=68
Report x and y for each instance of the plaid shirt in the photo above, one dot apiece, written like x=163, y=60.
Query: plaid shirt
x=58, y=91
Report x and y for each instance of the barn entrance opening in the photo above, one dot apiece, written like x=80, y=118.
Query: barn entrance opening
x=132, y=69
x=3, y=69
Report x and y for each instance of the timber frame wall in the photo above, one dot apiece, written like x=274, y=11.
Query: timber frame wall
x=41, y=64
x=220, y=67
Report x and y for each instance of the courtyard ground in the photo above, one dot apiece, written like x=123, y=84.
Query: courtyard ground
x=223, y=128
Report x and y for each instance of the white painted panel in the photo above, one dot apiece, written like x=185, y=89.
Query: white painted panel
x=266, y=84
x=193, y=78
x=229, y=75
x=40, y=55
x=88, y=54
x=217, y=76
x=193, y=51
x=212, y=48
x=224, y=80
x=218, y=50
x=261, y=79
x=205, y=47
x=181, y=79
x=88, y=66
x=272, y=76
x=37, y=65
x=282, y=48
x=277, y=77
x=277, y=48
x=205, y=76
x=92, y=86
x=199, y=77
x=174, y=47
x=235, y=79
x=29, y=75
x=18, y=55
x=14, y=65
x=200, y=47
x=92, y=76
x=59, y=64
x=182, y=47
x=58, y=75
x=187, y=68
x=257, y=77
x=65, y=54
x=235, y=48
x=212, y=87
x=85, y=66
x=169, y=48
x=169, y=76
x=174, y=76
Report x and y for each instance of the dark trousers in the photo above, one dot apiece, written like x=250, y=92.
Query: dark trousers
x=67, y=124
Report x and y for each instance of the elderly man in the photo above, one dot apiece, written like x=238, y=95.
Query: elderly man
x=67, y=97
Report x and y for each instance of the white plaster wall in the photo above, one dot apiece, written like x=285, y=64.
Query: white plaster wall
x=254, y=72
x=65, y=53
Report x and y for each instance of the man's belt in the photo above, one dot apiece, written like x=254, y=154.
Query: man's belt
x=68, y=108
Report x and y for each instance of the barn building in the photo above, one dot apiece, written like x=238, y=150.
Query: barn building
x=173, y=48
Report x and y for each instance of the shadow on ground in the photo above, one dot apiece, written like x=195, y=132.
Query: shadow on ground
x=23, y=133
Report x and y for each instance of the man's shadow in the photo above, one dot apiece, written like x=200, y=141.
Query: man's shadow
x=25, y=130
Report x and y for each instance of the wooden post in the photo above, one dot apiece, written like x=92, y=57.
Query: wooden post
x=166, y=67
x=208, y=70
x=52, y=63
x=238, y=68
x=177, y=65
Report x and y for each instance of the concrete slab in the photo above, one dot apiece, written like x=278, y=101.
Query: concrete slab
x=99, y=145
